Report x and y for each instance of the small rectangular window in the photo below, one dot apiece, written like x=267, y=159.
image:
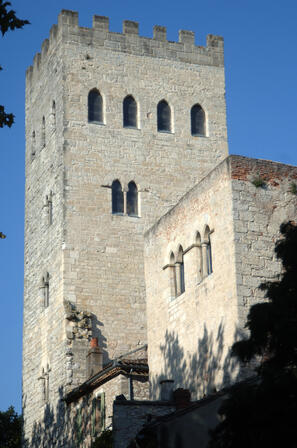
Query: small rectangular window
x=98, y=415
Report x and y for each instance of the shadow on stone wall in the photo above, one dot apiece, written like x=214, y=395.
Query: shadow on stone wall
x=205, y=371
x=53, y=429
x=97, y=326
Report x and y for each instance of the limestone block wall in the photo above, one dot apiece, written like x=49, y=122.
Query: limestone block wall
x=258, y=214
x=95, y=259
x=104, y=270
x=130, y=417
x=189, y=335
x=43, y=335
x=80, y=412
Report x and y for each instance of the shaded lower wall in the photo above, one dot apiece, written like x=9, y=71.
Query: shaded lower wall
x=163, y=427
x=129, y=417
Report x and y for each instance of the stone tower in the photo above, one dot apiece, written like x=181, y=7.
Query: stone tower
x=84, y=269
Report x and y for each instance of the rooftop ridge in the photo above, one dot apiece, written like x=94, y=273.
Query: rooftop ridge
x=129, y=41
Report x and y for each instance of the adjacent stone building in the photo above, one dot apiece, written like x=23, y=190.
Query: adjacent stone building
x=139, y=228
x=204, y=262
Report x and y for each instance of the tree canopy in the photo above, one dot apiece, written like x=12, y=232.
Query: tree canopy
x=10, y=429
x=8, y=21
x=263, y=412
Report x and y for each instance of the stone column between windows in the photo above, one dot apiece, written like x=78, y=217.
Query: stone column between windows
x=204, y=259
x=125, y=201
x=178, y=282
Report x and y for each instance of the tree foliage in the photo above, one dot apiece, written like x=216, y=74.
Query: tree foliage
x=10, y=429
x=263, y=412
x=104, y=440
x=8, y=21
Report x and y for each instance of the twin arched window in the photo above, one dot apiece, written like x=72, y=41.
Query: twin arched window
x=119, y=205
x=204, y=255
x=197, y=120
x=129, y=112
x=95, y=107
x=164, y=116
x=204, y=263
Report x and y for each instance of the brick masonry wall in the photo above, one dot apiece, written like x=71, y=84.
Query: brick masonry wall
x=258, y=214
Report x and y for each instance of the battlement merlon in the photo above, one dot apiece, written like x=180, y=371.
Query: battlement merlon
x=185, y=50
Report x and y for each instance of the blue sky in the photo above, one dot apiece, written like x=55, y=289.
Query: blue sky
x=261, y=73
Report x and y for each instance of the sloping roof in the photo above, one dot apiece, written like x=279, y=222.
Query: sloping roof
x=110, y=370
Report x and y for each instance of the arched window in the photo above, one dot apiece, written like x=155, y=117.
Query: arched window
x=180, y=272
x=54, y=115
x=164, y=116
x=132, y=199
x=45, y=287
x=129, y=112
x=43, y=133
x=199, y=257
x=197, y=120
x=207, y=255
x=33, y=145
x=117, y=197
x=172, y=275
x=95, y=107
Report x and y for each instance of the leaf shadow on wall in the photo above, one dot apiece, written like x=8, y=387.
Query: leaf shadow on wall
x=210, y=368
x=61, y=425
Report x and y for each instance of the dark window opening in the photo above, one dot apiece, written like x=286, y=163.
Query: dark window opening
x=117, y=197
x=197, y=120
x=43, y=133
x=182, y=277
x=98, y=415
x=54, y=115
x=164, y=116
x=132, y=199
x=45, y=286
x=129, y=112
x=180, y=272
x=95, y=107
x=209, y=258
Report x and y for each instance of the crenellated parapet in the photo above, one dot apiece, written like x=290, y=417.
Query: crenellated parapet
x=129, y=41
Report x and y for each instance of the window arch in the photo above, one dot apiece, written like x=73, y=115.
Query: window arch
x=43, y=133
x=172, y=275
x=95, y=107
x=53, y=115
x=197, y=120
x=164, y=116
x=132, y=199
x=117, y=197
x=180, y=272
x=129, y=112
x=33, y=145
x=45, y=286
x=207, y=252
x=199, y=256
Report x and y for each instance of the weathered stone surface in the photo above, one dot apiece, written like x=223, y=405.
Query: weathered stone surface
x=190, y=336
x=95, y=259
